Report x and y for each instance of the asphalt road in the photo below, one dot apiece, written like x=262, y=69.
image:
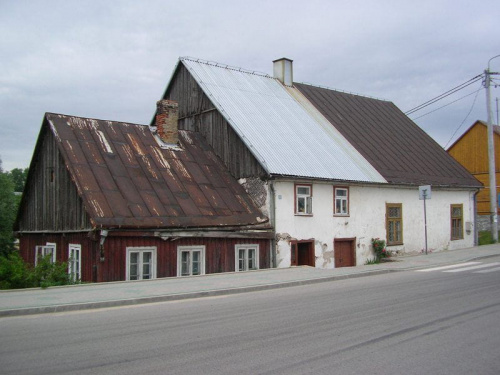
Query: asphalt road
x=436, y=322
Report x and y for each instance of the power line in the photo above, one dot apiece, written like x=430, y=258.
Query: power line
x=472, y=106
x=445, y=94
x=446, y=105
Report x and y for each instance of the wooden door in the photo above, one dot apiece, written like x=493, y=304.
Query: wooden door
x=344, y=250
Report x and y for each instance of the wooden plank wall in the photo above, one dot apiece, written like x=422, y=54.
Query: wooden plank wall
x=51, y=201
x=219, y=254
x=472, y=152
x=197, y=113
x=89, y=247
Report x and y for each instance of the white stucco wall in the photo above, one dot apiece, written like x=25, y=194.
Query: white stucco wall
x=366, y=220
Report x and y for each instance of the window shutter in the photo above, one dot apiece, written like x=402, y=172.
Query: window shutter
x=309, y=205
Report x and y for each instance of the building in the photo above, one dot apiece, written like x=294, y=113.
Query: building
x=334, y=170
x=238, y=171
x=121, y=201
x=471, y=150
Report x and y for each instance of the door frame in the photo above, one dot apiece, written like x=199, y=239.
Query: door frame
x=294, y=251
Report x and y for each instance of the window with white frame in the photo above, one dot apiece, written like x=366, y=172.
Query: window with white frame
x=341, y=200
x=190, y=260
x=303, y=199
x=141, y=263
x=246, y=257
x=74, y=261
x=43, y=251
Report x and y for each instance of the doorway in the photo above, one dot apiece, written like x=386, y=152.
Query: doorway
x=302, y=253
x=345, y=252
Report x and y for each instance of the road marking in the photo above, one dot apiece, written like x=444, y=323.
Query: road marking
x=447, y=267
x=475, y=267
x=490, y=270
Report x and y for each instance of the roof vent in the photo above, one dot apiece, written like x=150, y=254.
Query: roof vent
x=283, y=71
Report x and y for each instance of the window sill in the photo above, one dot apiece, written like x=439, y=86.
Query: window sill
x=341, y=215
x=306, y=215
x=395, y=244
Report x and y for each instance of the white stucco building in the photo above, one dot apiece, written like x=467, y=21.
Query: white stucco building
x=331, y=170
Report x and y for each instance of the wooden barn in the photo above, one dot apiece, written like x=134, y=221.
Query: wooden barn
x=121, y=201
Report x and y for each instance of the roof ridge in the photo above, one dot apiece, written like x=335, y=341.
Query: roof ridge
x=225, y=66
x=343, y=91
x=96, y=119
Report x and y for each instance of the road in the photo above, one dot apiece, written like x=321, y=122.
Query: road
x=436, y=322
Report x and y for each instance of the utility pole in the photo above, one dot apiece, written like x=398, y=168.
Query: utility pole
x=491, y=155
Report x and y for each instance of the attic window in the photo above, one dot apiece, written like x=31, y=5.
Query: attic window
x=104, y=142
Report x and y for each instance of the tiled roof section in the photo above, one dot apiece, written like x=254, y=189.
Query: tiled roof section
x=401, y=151
x=127, y=180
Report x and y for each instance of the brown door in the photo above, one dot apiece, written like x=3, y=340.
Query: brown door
x=344, y=252
x=302, y=253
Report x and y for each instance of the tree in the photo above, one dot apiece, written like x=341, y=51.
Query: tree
x=18, y=177
x=8, y=210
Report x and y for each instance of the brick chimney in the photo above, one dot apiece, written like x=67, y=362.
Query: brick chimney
x=167, y=114
x=283, y=71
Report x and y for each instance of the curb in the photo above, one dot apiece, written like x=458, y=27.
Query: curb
x=183, y=296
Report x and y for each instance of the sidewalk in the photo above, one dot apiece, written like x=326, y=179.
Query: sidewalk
x=90, y=296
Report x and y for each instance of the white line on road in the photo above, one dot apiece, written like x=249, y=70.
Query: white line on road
x=475, y=267
x=489, y=270
x=448, y=267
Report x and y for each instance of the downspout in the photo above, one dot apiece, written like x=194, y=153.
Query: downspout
x=476, y=229
x=272, y=213
x=104, y=234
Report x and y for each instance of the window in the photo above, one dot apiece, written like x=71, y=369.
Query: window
x=42, y=251
x=74, y=261
x=394, y=223
x=246, y=257
x=341, y=201
x=457, y=228
x=141, y=263
x=190, y=260
x=303, y=199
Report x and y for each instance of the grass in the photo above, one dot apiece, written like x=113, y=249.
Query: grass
x=485, y=238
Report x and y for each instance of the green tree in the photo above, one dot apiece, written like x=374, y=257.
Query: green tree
x=18, y=177
x=8, y=210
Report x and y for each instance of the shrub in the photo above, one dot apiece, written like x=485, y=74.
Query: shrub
x=379, y=249
x=13, y=272
x=16, y=274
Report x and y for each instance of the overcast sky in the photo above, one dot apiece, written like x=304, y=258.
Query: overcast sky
x=113, y=59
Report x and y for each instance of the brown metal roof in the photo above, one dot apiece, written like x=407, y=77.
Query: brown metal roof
x=127, y=180
x=400, y=150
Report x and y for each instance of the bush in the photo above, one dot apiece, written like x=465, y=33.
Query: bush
x=15, y=273
x=379, y=249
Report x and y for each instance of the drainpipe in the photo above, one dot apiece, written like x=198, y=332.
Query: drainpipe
x=272, y=213
x=476, y=229
x=104, y=234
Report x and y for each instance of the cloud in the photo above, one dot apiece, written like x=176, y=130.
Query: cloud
x=112, y=60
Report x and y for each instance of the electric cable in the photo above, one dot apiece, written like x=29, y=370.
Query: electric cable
x=461, y=124
x=445, y=94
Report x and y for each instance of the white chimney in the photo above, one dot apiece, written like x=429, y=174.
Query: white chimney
x=283, y=71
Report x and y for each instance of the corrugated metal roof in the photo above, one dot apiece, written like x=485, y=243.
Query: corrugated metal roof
x=127, y=180
x=287, y=136
x=401, y=151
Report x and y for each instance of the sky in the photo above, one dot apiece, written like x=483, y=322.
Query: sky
x=112, y=60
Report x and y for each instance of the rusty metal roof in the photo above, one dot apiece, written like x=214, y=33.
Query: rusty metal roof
x=127, y=180
x=400, y=150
